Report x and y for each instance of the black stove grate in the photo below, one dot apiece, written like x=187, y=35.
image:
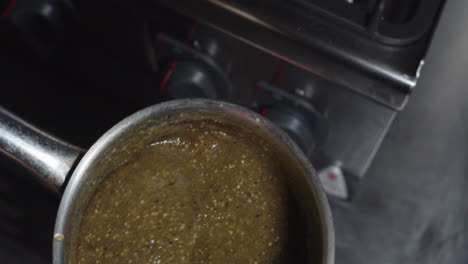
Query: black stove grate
x=393, y=22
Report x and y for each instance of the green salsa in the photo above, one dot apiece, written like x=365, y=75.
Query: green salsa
x=192, y=197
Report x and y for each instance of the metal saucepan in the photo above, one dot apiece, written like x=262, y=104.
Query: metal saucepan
x=53, y=161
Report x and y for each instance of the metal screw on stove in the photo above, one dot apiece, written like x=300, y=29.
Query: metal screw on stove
x=300, y=92
x=196, y=44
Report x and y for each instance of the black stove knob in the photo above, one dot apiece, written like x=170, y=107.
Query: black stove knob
x=191, y=78
x=41, y=25
x=298, y=117
x=190, y=73
x=304, y=128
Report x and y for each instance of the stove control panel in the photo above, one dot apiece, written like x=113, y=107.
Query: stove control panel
x=338, y=129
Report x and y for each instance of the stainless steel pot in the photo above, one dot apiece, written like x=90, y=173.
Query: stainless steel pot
x=53, y=161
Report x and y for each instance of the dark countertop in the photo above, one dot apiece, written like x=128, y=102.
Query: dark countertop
x=413, y=205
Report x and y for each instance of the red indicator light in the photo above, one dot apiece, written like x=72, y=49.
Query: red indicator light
x=168, y=74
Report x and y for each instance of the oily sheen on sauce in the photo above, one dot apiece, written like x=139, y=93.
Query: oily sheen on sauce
x=198, y=196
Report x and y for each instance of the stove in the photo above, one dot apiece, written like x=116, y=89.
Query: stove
x=363, y=45
x=332, y=74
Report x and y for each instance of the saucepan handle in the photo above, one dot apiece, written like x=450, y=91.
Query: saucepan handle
x=47, y=157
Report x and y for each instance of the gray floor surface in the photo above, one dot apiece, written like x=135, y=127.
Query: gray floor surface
x=413, y=205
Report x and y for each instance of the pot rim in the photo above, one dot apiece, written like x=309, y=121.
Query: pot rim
x=108, y=138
